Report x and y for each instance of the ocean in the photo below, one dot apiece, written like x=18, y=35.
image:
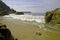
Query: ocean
x=31, y=18
x=35, y=18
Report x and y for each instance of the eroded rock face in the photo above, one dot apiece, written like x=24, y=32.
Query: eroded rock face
x=48, y=17
x=13, y=11
x=4, y=9
x=53, y=16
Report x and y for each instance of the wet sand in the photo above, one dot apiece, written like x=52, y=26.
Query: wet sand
x=27, y=31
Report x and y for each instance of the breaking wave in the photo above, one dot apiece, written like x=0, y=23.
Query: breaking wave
x=38, y=19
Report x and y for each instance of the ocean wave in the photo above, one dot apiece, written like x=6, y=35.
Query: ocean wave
x=38, y=19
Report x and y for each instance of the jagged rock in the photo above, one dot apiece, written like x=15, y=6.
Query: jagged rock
x=13, y=11
x=4, y=9
x=48, y=17
x=53, y=16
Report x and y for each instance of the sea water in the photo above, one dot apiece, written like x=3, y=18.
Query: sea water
x=27, y=17
x=37, y=18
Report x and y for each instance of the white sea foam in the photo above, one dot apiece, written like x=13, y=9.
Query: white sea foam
x=38, y=19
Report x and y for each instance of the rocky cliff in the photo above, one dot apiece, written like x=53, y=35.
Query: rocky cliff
x=53, y=16
x=4, y=9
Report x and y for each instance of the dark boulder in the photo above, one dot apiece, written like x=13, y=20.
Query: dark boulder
x=5, y=33
x=19, y=13
x=4, y=9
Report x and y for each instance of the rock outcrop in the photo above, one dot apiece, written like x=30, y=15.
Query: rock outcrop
x=19, y=13
x=52, y=19
x=13, y=11
x=53, y=16
x=4, y=9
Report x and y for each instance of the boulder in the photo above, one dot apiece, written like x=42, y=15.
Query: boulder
x=19, y=13
x=5, y=33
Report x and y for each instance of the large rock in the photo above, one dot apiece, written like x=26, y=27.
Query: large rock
x=19, y=13
x=53, y=16
x=5, y=33
x=13, y=11
x=4, y=9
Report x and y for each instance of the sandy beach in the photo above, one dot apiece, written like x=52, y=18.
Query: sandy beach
x=27, y=31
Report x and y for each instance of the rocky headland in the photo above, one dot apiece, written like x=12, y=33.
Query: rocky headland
x=52, y=19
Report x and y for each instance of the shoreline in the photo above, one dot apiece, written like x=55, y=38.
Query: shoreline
x=27, y=31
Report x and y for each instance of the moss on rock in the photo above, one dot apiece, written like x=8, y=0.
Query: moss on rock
x=53, y=16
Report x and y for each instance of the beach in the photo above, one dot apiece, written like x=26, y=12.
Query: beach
x=23, y=30
x=29, y=19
